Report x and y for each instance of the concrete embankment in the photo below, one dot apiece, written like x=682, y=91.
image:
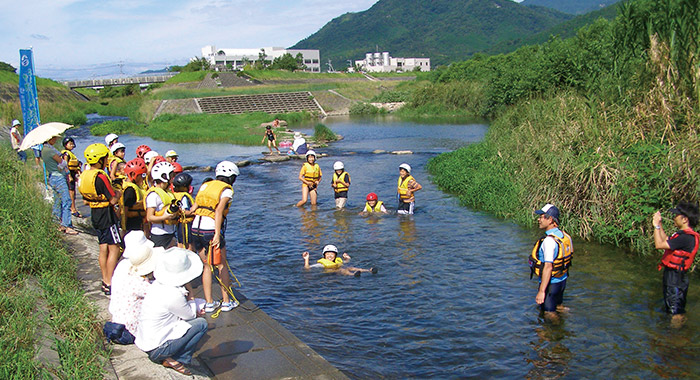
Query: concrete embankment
x=244, y=343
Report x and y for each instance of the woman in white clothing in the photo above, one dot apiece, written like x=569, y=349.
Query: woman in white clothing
x=169, y=329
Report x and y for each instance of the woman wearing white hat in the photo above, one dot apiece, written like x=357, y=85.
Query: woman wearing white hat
x=169, y=329
x=131, y=280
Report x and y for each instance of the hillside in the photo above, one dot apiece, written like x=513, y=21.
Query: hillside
x=575, y=7
x=444, y=30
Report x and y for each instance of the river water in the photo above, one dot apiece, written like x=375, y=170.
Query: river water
x=452, y=298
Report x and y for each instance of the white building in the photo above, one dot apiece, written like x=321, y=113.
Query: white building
x=238, y=57
x=384, y=63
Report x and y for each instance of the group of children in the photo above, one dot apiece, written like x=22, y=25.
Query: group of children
x=152, y=194
x=310, y=177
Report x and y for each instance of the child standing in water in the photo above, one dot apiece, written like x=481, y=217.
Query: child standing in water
x=270, y=135
x=407, y=186
x=332, y=262
x=310, y=176
x=340, y=184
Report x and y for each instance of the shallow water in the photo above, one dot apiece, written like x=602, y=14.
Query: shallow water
x=453, y=297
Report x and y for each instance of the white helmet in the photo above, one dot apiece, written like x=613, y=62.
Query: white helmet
x=149, y=156
x=338, y=166
x=162, y=171
x=311, y=153
x=117, y=146
x=171, y=153
x=227, y=169
x=405, y=166
x=330, y=248
x=110, y=137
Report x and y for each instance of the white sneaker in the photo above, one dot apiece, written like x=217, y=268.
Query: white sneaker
x=228, y=306
x=211, y=307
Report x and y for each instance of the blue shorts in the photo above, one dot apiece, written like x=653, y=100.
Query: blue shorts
x=184, y=233
x=554, y=296
x=201, y=238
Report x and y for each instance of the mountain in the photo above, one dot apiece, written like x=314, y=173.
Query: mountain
x=564, y=30
x=575, y=7
x=443, y=30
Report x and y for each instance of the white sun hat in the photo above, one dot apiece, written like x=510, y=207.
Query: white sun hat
x=178, y=266
x=133, y=241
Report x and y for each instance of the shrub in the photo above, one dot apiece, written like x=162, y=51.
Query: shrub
x=323, y=133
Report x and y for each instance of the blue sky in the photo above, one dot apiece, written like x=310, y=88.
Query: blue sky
x=91, y=38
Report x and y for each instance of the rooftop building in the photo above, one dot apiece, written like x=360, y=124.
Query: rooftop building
x=238, y=58
x=384, y=63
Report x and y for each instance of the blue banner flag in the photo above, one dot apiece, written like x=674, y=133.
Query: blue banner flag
x=27, y=91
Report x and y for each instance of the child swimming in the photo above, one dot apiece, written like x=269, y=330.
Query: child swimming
x=331, y=262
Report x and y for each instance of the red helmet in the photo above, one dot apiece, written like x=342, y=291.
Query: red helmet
x=157, y=159
x=178, y=168
x=372, y=197
x=134, y=168
x=141, y=150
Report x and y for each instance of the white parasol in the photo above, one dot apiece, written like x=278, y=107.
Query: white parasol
x=43, y=133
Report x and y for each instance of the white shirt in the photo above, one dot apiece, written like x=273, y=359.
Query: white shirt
x=548, y=247
x=15, y=141
x=153, y=200
x=128, y=292
x=297, y=143
x=206, y=223
x=163, y=315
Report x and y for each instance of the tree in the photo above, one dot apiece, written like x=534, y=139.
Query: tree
x=262, y=61
x=287, y=62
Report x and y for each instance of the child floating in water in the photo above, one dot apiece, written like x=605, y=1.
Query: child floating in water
x=373, y=205
x=331, y=261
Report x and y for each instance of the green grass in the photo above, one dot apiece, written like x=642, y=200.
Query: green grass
x=201, y=128
x=324, y=134
x=31, y=249
x=192, y=76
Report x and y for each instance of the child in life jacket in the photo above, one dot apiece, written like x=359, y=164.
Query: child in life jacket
x=310, y=176
x=162, y=210
x=118, y=151
x=331, y=262
x=74, y=171
x=373, y=205
x=340, y=184
x=132, y=200
x=183, y=193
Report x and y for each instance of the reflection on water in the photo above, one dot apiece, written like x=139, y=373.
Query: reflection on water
x=452, y=298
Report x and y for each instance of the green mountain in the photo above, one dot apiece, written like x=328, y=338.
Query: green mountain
x=575, y=7
x=564, y=30
x=443, y=30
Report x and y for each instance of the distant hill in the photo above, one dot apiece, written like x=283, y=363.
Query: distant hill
x=564, y=30
x=575, y=7
x=443, y=30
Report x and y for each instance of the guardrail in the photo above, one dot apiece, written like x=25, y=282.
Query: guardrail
x=142, y=79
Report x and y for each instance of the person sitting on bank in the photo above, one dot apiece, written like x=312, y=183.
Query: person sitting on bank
x=97, y=190
x=270, y=136
x=550, y=261
x=407, y=186
x=331, y=262
x=73, y=171
x=169, y=328
x=373, y=205
x=340, y=184
x=162, y=210
x=310, y=176
x=131, y=280
x=679, y=256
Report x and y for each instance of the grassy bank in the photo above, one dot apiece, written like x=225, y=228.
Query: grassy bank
x=31, y=251
x=603, y=125
x=201, y=128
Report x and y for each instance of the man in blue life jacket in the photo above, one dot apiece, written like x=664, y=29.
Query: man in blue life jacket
x=550, y=260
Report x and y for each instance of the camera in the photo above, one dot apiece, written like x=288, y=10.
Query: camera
x=174, y=207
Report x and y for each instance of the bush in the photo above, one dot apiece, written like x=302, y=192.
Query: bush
x=361, y=108
x=323, y=133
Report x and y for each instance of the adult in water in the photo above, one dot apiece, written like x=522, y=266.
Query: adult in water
x=678, y=257
x=550, y=261
x=331, y=262
x=310, y=176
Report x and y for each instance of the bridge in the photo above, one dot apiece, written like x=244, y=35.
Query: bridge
x=140, y=80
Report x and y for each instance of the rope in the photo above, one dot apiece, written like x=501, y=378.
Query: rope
x=229, y=289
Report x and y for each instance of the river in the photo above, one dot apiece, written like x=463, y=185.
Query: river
x=452, y=298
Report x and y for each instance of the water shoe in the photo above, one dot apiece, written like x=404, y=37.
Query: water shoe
x=228, y=306
x=211, y=307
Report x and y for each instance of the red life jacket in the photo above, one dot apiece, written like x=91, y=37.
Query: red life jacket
x=677, y=259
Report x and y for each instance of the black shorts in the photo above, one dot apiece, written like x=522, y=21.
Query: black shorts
x=162, y=240
x=554, y=296
x=134, y=224
x=342, y=194
x=675, y=290
x=184, y=233
x=405, y=207
x=109, y=235
x=71, y=180
x=201, y=238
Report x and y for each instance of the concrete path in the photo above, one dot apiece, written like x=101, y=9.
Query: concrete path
x=244, y=343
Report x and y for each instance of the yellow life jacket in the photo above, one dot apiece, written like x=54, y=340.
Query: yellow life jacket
x=208, y=198
x=73, y=163
x=327, y=264
x=179, y=196
x=377, y=207
x=345, y=177
x=403, y=188
x=86, y=186
x=311, y=172
x=562, y=262
x=167, y=198
x=137, y=209
x=118, y=182
x=113, y=159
